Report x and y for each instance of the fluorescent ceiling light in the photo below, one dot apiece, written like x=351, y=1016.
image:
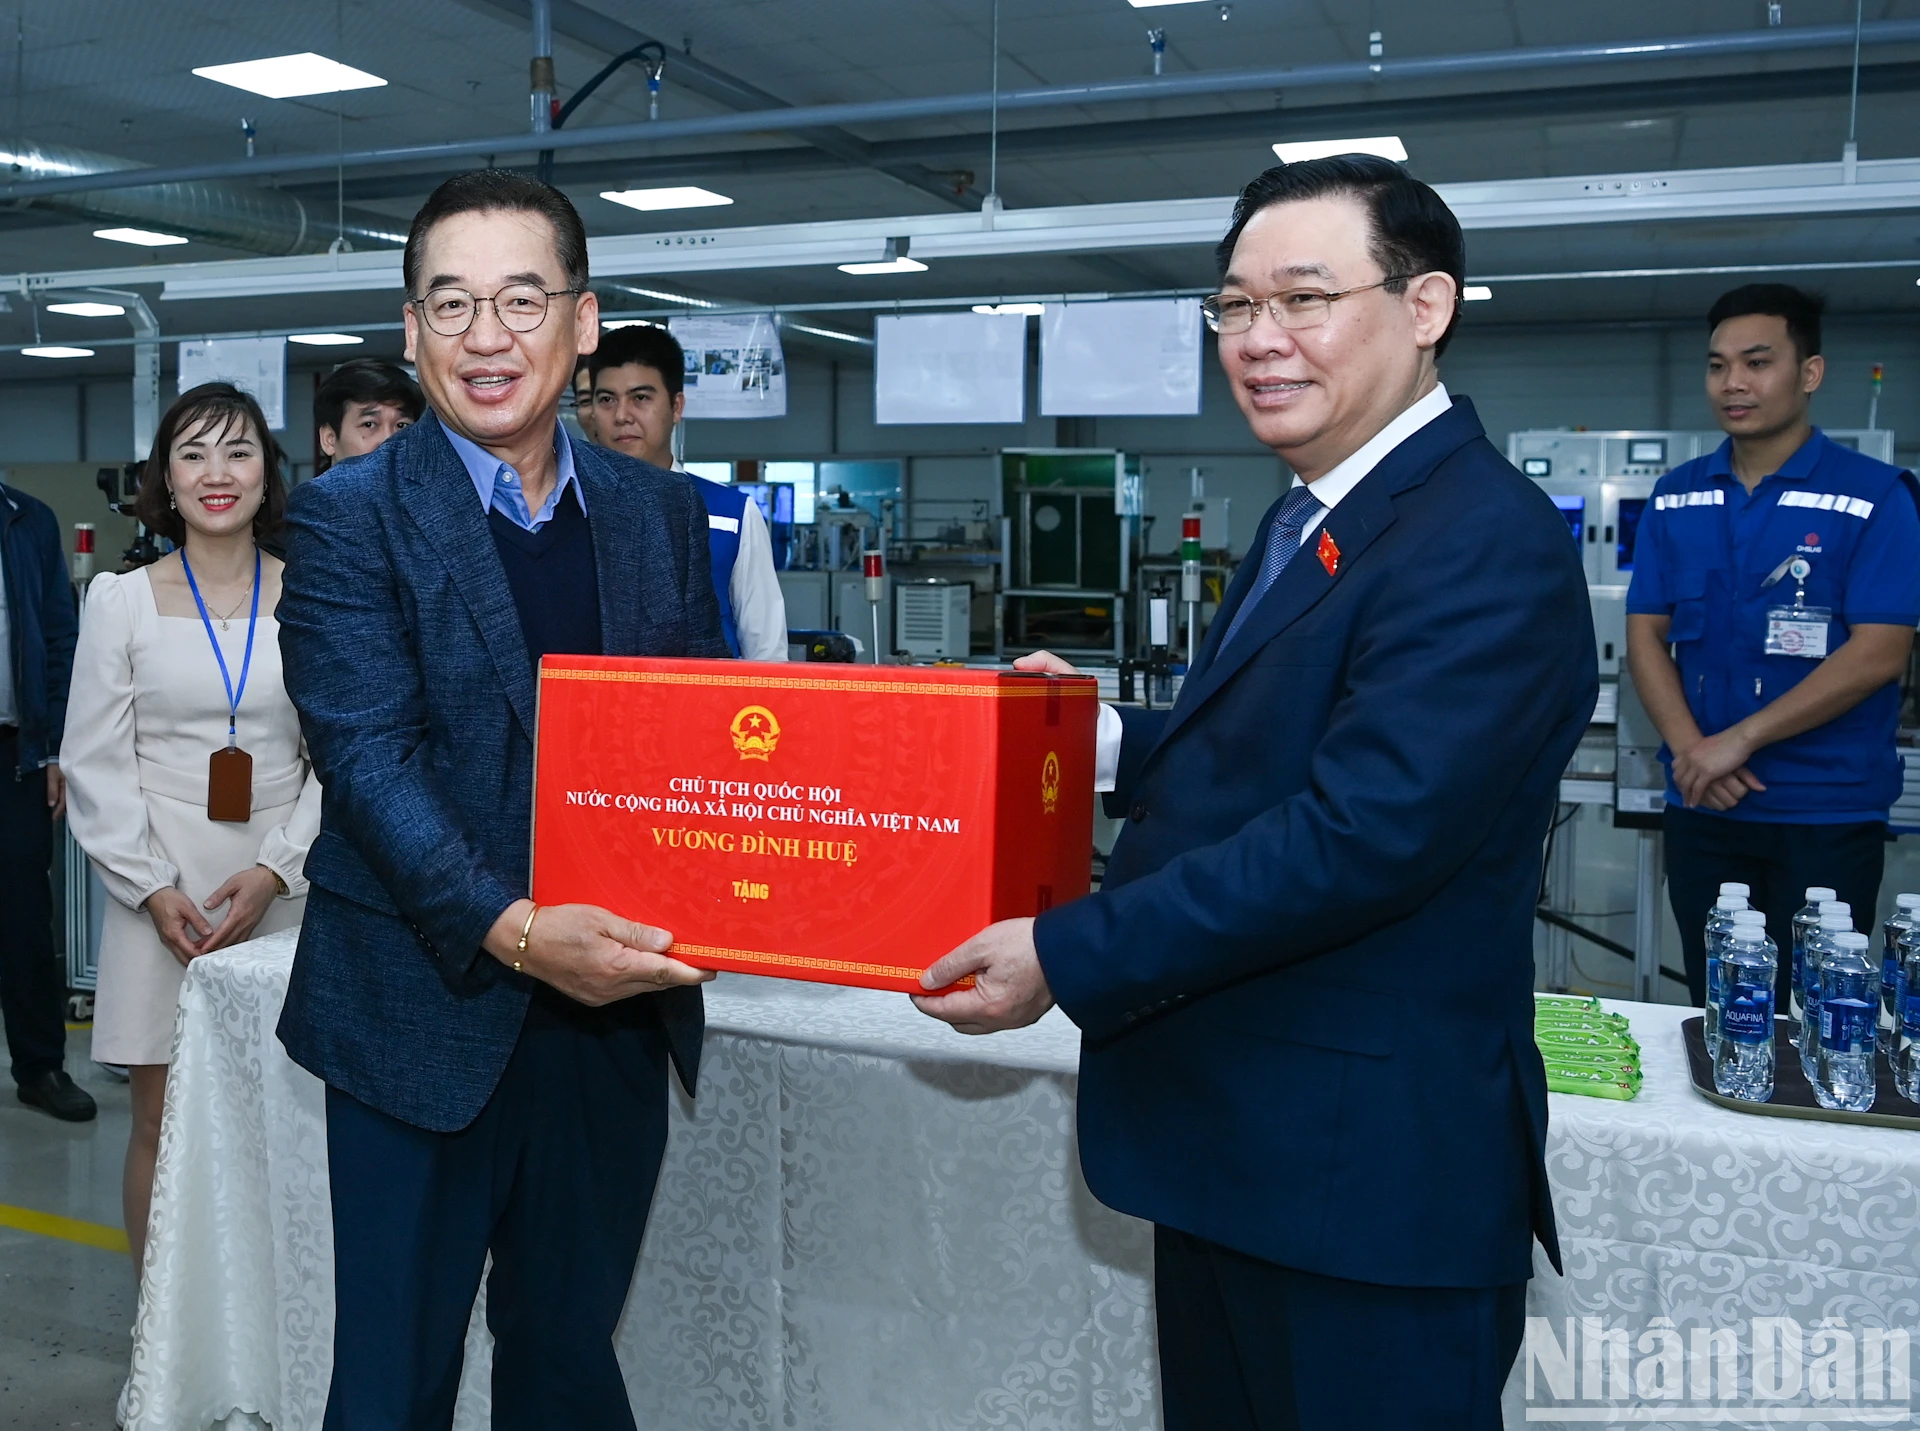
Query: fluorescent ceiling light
x=1031, y=310
x=609, y=324
x=146, y=238
x=647, y=200
x=1476, y=292
x=288, y=76
x=666, y=297
x=326, y=340
x=1149, y=4
x=56, y=352
x=832, y=333
x=87, y=310
x=886, y=265
x=1387, y=146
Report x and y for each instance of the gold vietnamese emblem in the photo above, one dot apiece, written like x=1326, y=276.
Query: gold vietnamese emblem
x=1050, y=783
x=755, y=733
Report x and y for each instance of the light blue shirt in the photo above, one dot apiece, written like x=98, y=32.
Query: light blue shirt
x=499, y=485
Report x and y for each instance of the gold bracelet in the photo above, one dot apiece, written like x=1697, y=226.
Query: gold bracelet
x=525, y=930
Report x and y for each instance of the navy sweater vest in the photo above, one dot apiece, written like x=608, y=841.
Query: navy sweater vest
x=555, y=584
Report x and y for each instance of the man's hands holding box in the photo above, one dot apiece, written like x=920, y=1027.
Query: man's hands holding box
x=590, y=955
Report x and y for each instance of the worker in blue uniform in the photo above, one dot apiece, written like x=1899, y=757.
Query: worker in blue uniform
x=1776, y=585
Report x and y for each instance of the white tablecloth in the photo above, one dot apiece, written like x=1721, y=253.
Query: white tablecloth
x=869, y=1222
x=1673, y=1207
x=866, y=1221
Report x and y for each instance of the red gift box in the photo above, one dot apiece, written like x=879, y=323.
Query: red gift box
x=840, y=824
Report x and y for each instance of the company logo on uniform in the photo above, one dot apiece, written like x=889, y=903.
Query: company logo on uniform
x=1828, y=502
x=1700, y=497
x=755, y=733
x=1050, y=784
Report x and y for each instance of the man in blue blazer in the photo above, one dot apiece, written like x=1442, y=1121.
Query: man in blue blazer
x=495, y=1084
x=1305, y=984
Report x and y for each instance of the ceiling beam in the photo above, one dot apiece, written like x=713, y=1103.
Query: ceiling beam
x=586, y=26
x=1381, y=116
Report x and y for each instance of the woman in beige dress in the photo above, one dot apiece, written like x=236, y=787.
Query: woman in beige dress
x=150, y=704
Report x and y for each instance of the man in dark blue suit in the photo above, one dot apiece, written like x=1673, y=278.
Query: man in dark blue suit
x=1305, y=984
x=495, y=1082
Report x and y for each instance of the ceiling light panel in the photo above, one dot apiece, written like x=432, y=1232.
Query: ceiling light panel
x=687, y=196
x=146, y=238
x=289, y=76
x=1476, y=293
x=886, y=265
x=87, y=310
x=326, y=340
x=1030, y=310
x=1387, y=146
x=1153, y=4
x=56, y=351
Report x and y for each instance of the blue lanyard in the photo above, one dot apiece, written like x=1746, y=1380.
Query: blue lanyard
x=233, y=696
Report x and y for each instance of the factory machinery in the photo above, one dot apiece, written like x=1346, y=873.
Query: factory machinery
x=1605, y=845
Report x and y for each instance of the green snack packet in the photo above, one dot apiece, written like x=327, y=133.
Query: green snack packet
x=1594, y=1017
x=1574, y=1037
x=1566, y=1001
x=1621, y=1091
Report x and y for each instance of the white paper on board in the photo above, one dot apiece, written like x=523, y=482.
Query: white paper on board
x=735, y=366
x=950, y=367
x=257, y=366
x=1121, y=358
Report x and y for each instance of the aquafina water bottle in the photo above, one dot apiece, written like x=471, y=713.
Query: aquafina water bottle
x=1743, y=1055
x=1804, y=923
x=1719, y=926
x=1906, y=1056
x=1849, y=1017
x=1897, y=924
x=1835, y=919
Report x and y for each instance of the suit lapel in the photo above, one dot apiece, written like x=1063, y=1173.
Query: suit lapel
x=618, y=539
x=1354, y=525
x=446, y=510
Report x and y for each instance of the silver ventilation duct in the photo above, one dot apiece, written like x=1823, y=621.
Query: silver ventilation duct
x=241, y=216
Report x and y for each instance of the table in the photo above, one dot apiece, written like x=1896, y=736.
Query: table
x=1672, y=1207
x=865, y=1221
x=869, y=1222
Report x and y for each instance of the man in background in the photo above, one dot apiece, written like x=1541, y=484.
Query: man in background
x=358, y=406
x=637, y=384
x=1776, y=583
x=37, y=628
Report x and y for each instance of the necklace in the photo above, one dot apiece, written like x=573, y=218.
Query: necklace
x=223, y=620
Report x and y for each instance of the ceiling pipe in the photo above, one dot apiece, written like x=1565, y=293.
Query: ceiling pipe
x=1736, y=45
x=1386, y=116
x=540, y=72
x=255, y=220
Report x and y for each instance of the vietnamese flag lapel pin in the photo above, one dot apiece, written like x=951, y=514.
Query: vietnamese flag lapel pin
x=1328, y=552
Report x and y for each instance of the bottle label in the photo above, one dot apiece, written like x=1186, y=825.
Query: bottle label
x=1799, y=965
x=1748, y=1016
x=1889, y=968
x=1846, y=1025
x=1910, y=1012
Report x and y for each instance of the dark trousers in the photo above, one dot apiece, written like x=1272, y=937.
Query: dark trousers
x=1246, y=1345
x=1778, y=862
x=554, y=1178
x=33, y=978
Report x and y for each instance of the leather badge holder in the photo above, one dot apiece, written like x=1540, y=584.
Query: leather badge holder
x=230, y=786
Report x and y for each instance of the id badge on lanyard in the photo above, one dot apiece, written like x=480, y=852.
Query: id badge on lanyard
x=1799, y=629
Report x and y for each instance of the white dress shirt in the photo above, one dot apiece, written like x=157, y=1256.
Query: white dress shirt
x=1328, y=489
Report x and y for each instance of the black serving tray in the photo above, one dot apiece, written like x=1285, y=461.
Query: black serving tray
x=1792, y=1094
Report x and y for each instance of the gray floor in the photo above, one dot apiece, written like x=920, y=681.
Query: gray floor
x=66, y=1310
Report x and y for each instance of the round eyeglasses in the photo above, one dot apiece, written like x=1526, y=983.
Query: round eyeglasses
x=521, y=307
x=1231, y=313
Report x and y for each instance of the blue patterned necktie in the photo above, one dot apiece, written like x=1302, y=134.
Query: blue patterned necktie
x=1297, y=508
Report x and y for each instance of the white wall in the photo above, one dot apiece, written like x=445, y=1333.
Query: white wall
x=1627, y=376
